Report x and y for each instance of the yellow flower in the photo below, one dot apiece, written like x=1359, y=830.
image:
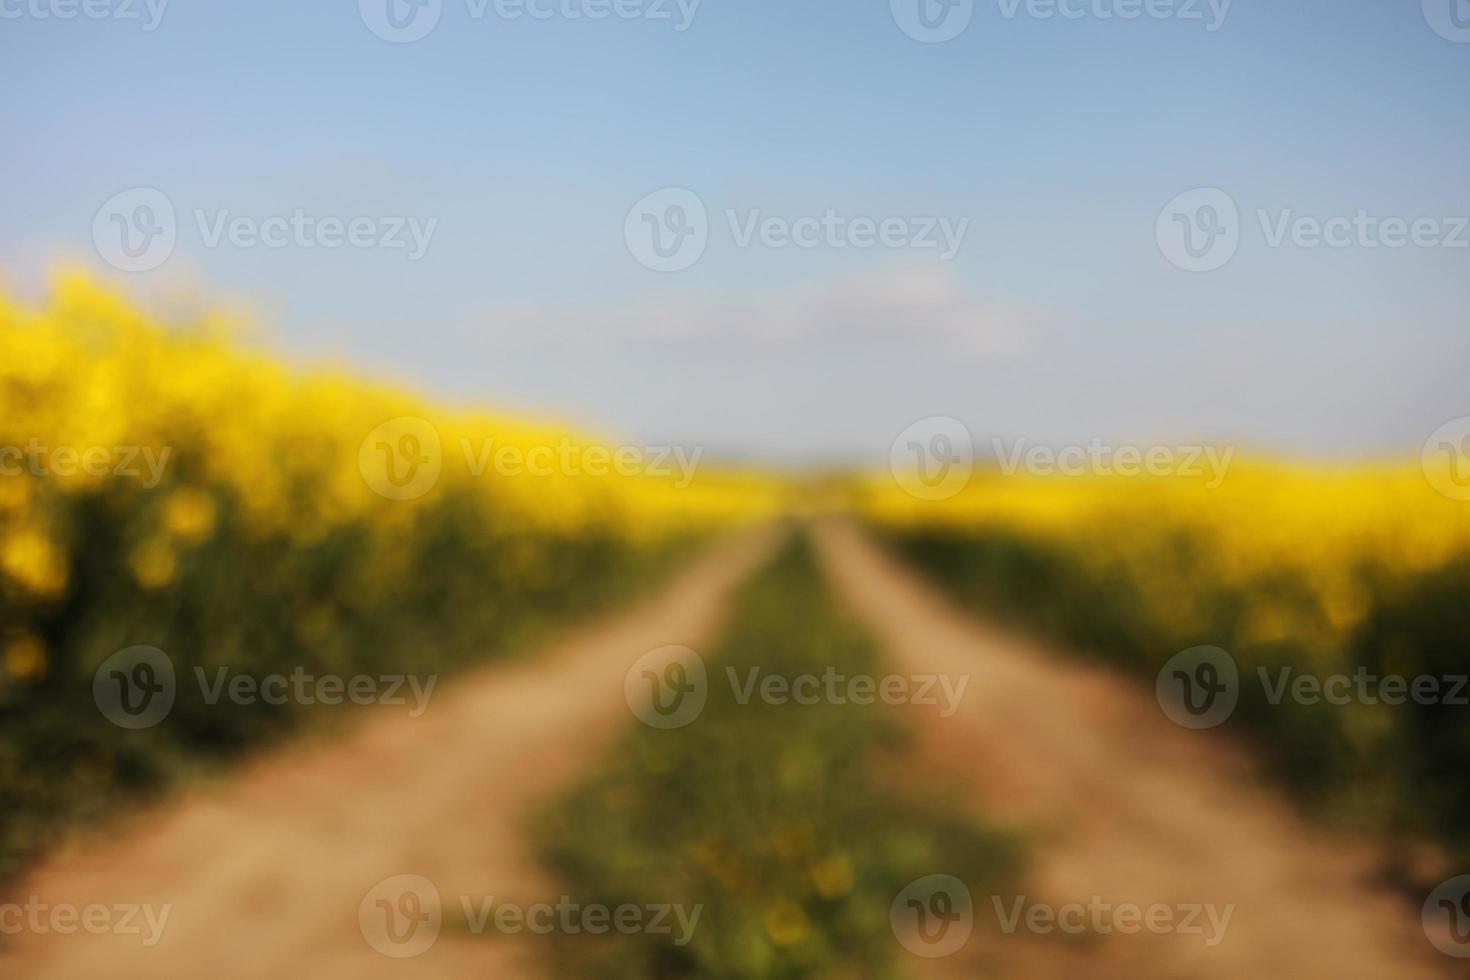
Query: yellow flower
x=287, y=445
x=153, y=564
x=25, y=658
x=833, y=876
x=15, y=493
x=786, y=923
x=189, y=514
x=30, y=558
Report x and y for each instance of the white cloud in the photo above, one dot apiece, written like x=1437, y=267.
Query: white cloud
x=907, y=306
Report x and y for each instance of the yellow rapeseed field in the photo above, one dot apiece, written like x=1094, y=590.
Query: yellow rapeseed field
x=1318, y=525
x=168, y=486
x=1352, y=575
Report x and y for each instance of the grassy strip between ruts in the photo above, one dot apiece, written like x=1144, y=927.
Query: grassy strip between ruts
x=782, y=820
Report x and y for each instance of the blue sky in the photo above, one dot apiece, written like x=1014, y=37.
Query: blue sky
x=1058, y=140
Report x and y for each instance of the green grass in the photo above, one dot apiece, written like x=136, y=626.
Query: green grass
x=790, y=824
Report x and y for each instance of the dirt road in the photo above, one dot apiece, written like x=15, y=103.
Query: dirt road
x=264, y=878
x=1128, y=807
x=278, y=873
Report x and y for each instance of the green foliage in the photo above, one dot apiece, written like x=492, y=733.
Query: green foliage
x=456, y=594
x=1389, y=764
x=1423, y=629
x=787, y=822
